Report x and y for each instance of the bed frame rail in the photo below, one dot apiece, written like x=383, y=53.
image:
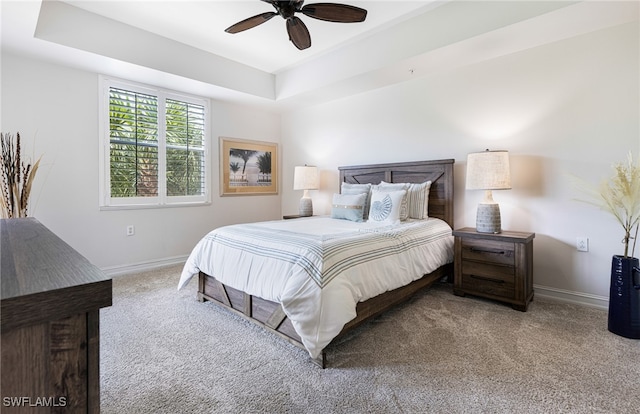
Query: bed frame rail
x=266, y=314
x=270, y=316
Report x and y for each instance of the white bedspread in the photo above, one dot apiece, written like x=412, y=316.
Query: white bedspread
x=319, y=268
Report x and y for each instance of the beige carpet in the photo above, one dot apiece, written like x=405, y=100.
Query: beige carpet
x=164, y=352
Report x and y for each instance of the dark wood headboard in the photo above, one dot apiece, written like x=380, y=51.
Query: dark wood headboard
x=439, y=172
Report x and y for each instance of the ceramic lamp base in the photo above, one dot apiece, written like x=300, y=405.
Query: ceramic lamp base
x=305, y=207
x=488, y=218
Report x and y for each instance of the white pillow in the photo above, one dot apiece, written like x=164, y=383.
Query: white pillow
x=417, y=199
x=385, y=206
x=387, y=187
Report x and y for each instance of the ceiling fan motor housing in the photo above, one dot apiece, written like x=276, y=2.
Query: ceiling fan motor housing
x=287, y=9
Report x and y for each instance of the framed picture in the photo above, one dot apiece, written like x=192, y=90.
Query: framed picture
x=248, y=167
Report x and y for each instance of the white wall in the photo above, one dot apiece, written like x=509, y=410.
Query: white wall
x=55, y=109
x=566, y=108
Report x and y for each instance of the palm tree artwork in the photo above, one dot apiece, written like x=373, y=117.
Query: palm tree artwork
x=264, y=166
x=234, y=167
x=255, y=166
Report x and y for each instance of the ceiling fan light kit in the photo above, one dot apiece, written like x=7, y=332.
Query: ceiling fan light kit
x=297, y=30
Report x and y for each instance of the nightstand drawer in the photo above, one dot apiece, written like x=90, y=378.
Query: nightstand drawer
x=488, y=251
x=497, y=272
x=489, y=285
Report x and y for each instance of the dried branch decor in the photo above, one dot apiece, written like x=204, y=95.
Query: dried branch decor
x=16, y=178
x=620, y=196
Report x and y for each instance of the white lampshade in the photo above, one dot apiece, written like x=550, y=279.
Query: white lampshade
x=305, y=178
x=488, y=170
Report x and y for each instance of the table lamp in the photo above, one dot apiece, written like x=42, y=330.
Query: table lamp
x=305, y=178
x=488, y=170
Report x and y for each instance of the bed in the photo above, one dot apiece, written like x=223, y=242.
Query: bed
x=337, y=273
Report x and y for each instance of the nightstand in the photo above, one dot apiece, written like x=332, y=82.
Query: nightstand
x=494, y=266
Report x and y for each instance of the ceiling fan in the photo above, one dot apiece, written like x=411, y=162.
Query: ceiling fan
x=298, y=32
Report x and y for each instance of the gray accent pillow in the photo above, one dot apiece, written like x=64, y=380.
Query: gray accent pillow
x=349, y=206
x=348, y=188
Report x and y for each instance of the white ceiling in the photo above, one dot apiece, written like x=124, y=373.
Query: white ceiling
x=266, y=47
x=182, y=44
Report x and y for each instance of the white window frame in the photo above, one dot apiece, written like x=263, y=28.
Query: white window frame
x=162, y=199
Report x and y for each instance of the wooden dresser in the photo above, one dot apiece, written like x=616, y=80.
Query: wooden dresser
x=50, y=312
x=495, y=266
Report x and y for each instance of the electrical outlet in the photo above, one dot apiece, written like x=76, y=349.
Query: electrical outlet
x=131, y=230
x=582, y=244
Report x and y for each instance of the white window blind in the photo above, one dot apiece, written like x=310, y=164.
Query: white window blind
x=154, y=148
x=185, y=148
x=133, y=144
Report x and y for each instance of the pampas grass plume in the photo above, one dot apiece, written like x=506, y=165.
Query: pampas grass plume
x=620, y=196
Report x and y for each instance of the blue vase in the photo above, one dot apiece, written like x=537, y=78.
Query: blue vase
x=624, y=297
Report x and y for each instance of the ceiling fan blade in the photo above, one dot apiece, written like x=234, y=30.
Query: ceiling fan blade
x=250, y=22
x=332, y=12
x=298, y=33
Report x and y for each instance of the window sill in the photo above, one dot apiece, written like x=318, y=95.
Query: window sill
x=153, y=206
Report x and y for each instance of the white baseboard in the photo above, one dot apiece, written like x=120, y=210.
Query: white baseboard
x=567, y=296
x=143, y=266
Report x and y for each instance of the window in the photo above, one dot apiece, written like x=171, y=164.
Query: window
x=154, y=148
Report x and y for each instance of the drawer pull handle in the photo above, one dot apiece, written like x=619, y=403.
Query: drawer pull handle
x=475, y=249
x=487, y=279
